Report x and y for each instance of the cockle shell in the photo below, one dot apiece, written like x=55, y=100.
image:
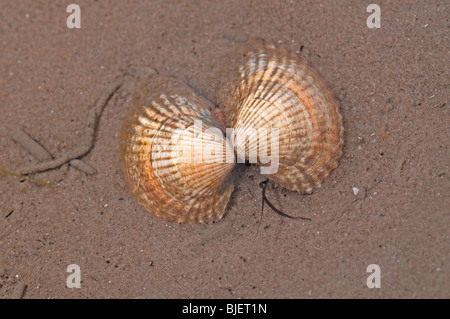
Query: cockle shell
x=173, y=155
x=275, y=89
x=176, y=160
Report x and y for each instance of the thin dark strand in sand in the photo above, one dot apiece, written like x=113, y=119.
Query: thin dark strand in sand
x=89, y=137
x=263, y=186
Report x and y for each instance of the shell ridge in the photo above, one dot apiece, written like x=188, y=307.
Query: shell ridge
x=277, y=88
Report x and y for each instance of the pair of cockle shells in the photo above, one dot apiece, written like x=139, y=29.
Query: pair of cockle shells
x=177, y=161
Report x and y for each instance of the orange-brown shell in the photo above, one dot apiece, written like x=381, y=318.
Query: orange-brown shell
x=274, y=88
x=161, y=146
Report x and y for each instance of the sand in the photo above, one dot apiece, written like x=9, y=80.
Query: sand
x=393, y=86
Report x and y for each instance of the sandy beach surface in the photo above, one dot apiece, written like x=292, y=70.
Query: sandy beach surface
x=387, y=203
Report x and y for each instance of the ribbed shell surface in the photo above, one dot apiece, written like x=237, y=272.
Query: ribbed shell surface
x=173, y=155
x=275, y=89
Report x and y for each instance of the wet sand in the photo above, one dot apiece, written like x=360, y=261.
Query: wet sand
x=393, y=86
